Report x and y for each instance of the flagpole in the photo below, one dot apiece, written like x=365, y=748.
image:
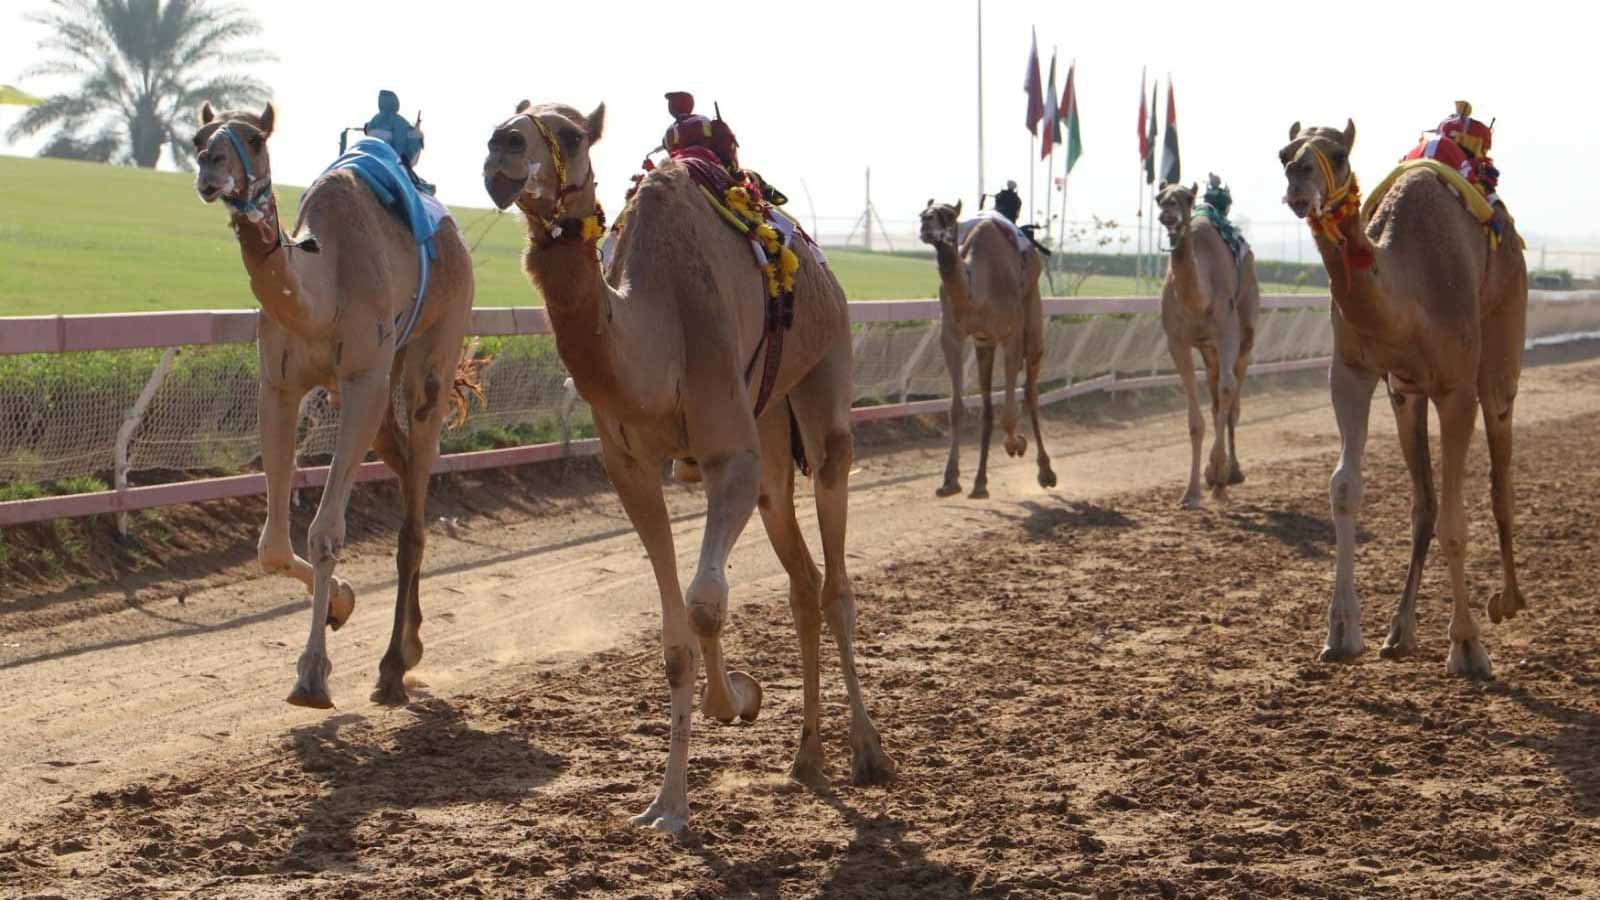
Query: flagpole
x=1031, y=141
x=980, y=103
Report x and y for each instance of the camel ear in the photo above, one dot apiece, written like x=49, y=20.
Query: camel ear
x=930, y=204
x=1194, y=189
x=958, y=209
x=523, y=106
x=1349, y=134
x=206, y=115
x=268, y=116
x=1294, y=131
x=596, y=124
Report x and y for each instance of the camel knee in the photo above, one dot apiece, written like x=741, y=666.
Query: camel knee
x=707, y=601
x=1344, y=492
x=838, y=452
x=681, y=662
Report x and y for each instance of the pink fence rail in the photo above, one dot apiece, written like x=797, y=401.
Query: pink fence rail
x=64, y=334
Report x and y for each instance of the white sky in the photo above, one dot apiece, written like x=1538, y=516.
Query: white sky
x=844, y=85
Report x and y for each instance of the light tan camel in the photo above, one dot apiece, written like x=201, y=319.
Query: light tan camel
x=1209, y=303
x=989, y=292
x=1421, y=301
x=331, y=292
x=658, y=345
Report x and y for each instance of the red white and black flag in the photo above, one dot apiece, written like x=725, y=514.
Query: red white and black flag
x=1052, y=114
x=1171, y=168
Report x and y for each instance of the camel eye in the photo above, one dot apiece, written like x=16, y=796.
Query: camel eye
x=256, y=143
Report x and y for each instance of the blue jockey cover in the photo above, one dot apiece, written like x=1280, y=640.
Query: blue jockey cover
x=389, y=126
x=377, y=164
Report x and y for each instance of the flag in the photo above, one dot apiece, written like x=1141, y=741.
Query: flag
x=1149, y=140
x=1052, y=114
x=1069, y=113
x=1144, y=139
x=1034, y=88
x=1171, y=169
x=10, y=96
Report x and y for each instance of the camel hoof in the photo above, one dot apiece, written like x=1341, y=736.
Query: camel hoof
x=1235, y=476
x=1047, y=478
x=391, y=693
x=868, y=763
x=671, y=818
x=1503, y=607
x=1191, y=500
x=1469, y=659
x=979, y=492
x=341, y=605
x=1396, y=650
x=1343, y=644
x=311, y=688
x=948, y=489
x=746, y=695
x=1016, y=446
x=807, y=770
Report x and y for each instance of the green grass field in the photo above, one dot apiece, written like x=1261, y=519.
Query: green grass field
x=87, y=238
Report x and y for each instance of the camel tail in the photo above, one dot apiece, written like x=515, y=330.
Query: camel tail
x=468, y=385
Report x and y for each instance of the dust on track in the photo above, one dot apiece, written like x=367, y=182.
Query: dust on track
x=1085, y=698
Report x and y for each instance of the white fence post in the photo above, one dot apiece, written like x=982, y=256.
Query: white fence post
x=130, y=423
x=569, y=400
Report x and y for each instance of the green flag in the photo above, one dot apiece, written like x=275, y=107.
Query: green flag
x=1069, y=106
x=10, y=96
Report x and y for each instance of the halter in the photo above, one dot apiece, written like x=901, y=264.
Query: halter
x=257, y=201
x=555, y=225
x=1339, y=201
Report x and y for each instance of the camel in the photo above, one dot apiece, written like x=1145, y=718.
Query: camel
x=331, y=292
x=989, y=292
x=1209, y=302
x=1421, y=301
x=658, y=344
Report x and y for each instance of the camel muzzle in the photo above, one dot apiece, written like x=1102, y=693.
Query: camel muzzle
x=502, y=190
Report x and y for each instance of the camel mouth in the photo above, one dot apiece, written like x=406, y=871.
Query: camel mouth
x=1300, y=208
x=209, y=193
x=502, y=190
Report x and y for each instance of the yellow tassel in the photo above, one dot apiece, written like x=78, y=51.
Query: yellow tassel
x=592, y=229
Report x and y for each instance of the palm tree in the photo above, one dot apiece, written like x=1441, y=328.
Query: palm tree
x=142, y=66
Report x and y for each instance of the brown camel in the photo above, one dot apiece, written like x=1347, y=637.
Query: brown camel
x=331, y=292
x=1421, y=301
x=989, y=292
x=1209, y=303
x=658, y=345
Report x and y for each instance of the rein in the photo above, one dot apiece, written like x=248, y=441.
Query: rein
x=257, y=202
x=556, y=225
x=1339, y=202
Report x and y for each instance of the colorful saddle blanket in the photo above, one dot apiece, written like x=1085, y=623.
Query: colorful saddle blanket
x=377, y=164
x=1230, y=233
x=1018, y=239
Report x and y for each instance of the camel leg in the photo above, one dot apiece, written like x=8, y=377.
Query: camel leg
x=1352, y=407
x=366, y=397
x=732, y=482
x=822, y=407
x=955, y=364
x=1016, y=444
x=1497, y=393
x=1217, y=463
x=1458, y=415
x=1183, y=359
x=1240, y=364
x=278, y=410
x=1411, y=421
x=980, y=484
x=638, y=485
x=1047, y=475
x=805, y=582
x=1225, y=407
x=426, y=375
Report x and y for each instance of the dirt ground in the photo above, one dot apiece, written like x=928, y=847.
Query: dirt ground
x=1088, y=692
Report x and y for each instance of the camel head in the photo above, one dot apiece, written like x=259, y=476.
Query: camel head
x=541, y=155
x=1177, y=205
x=1316, y=164
x=939, y=221
x=231, y=160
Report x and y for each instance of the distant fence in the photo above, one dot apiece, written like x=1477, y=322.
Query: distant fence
x=175, y=393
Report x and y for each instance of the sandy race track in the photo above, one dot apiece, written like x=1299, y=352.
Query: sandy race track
x=1088, y=691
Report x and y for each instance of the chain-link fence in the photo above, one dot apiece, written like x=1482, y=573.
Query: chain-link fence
x=189, y=411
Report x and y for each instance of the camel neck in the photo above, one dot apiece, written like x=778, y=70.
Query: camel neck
x=1357, y=289
x=274, y=278
x=578, y=301
x=1184, y=273
x=953, y=275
